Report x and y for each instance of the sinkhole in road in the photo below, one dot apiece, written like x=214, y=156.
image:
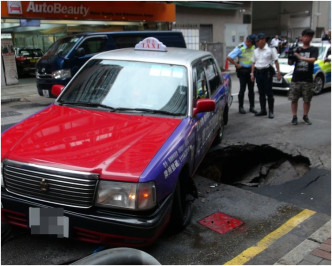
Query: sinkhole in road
x=253, y=165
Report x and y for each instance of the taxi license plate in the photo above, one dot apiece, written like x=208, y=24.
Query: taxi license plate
x=48, y=221
x=46, y=93
x=275, y=80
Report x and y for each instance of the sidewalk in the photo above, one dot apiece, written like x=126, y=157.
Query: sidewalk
x=25, y=88
x=315, y=250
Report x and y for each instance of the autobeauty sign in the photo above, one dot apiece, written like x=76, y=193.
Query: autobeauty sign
x=92, y=10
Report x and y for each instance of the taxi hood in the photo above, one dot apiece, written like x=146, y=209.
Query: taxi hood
x=116, y=146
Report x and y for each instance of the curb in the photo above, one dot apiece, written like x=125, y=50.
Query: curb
x=8, y=100
x=303, y=253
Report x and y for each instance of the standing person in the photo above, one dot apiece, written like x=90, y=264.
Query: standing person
x=302, y=80
x=284, y=44
x=275, y=42
x=327, y=36
x=263, y=71
x=244, y=53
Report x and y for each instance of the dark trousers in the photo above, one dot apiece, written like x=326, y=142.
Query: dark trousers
x=264, y=84
x=244, y=77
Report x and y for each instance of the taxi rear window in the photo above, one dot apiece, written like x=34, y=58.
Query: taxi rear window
x=131, y=85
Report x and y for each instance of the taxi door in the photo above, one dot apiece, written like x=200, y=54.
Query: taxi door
x=206, y=123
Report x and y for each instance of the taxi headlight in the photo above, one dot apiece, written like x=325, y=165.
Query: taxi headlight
x=61, y=74
x=122, y=195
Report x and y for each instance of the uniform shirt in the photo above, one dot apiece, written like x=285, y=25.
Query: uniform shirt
x=243, y=53
x=303, y=71
x=265, y=57
x=275, y=42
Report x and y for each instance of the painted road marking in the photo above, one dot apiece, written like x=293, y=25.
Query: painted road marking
x=268, y=240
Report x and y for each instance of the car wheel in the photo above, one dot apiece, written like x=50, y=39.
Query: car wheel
x=181, y=209
x=319, y=84
x=220, y=134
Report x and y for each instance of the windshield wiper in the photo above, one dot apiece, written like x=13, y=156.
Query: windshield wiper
x=146, y=110
x=119, y=109
x=88, y=104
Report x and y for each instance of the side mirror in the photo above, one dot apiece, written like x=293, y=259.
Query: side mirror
x=204, y=105
x=57, y=89
x=80, y=52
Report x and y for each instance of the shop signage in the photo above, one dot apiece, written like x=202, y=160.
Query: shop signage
x=8, y=60
x=92, y=10
x=57, y=8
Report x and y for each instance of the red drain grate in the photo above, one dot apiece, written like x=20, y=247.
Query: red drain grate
x=220, y=222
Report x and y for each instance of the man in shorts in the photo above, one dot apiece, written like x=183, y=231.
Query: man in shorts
x=302, y=80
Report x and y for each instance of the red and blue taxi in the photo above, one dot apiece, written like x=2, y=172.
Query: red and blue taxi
x=117, y=150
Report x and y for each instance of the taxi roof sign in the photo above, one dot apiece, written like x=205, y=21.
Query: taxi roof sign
x=151, y=44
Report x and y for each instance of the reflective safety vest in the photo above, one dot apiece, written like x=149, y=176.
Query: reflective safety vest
x=246, y=55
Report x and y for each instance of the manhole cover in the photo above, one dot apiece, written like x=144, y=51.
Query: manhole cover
x=220, y=222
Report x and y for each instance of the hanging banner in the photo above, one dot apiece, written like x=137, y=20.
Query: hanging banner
x=8, y=60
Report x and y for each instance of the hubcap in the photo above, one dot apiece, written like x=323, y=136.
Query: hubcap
x=318, y=85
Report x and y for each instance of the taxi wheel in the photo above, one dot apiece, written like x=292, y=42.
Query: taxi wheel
x=220, y=134
x=319, y=84
x=181, y=209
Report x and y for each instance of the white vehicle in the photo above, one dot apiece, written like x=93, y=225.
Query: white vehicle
x=322, y=70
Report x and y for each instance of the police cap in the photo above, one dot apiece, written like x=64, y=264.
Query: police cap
x=260, y=36
x=252, y=38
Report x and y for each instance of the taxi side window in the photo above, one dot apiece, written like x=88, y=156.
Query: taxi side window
x=212, y=75
x=200, y=85
x=94, y=45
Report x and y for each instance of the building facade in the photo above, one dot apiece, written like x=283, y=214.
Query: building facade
x=289, y=18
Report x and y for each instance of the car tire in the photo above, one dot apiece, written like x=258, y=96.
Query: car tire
x=225, y=115
x=181, y=208
x=220, y=134
x=319, y=84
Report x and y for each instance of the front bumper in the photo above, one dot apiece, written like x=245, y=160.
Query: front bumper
x=44, y=86
x=99, y=226
x=282, y=84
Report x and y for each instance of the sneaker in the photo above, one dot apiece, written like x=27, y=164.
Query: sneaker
x=306, y=120
x=294, y=120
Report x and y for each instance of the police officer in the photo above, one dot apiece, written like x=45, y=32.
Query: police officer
x=262, y=69
x=244, y=53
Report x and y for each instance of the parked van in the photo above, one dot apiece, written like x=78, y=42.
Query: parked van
x=66, y=56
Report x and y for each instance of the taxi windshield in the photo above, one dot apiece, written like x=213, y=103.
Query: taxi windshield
x=130, y=86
